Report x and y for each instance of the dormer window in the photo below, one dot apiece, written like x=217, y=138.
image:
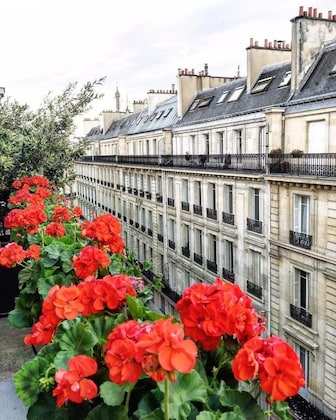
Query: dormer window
x=261, y=85
x=167, y=112
x=235, y=95
x=222, y=97
x=286, y=79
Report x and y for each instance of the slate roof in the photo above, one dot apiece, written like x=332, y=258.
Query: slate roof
x=246, y=103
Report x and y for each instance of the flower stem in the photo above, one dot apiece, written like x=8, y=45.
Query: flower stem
x=166, y=399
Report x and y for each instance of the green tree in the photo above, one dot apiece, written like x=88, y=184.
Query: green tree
x=38, y=142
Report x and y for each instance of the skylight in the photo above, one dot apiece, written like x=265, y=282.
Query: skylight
x=194, y=105
x=261, y=85
x=235, y=95
x=204, y=102
x=222, y=97
x=168, y=112
x=333, y=71
x=286, y=79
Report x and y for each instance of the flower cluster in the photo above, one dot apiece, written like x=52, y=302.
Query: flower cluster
x=105, y=352
x=274, y=362
x=158, y=349
x=210, y=311
x=72, y=384
x=86, y=298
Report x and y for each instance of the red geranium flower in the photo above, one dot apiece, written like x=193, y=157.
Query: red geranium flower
x=89, y=260
x=12, y=253
x=73, y=384
x=55, y=229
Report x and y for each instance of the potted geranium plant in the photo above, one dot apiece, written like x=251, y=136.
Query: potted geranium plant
x=106, y=352
x=297, y=153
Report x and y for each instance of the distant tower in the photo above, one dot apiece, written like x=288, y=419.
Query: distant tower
x=117, y=98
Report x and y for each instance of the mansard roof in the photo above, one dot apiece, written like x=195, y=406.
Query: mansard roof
x=163, y=116
x=218, y=102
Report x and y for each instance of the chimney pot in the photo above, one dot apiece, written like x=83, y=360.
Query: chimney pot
x=251, y=42
x=301, y=11
x=310, y=11
x=315, y=13
x=330, y=14
x=265, y=43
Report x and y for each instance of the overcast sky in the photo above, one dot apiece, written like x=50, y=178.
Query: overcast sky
x=137, y=45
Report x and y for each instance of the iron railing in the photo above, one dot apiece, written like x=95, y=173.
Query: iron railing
x=302, y=240
x=228, y=218
x=301, y=315
x=228, y=275
x=254, y=225
x=254, y=289
x=305, y=164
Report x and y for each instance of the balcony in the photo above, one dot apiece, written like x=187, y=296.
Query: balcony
x=186, y=251
x=228, y=275
x=141, y=193
x=212, y=214
x=143, y=228
x=160, y=237
x=148, y=195
x=135, y=191
x=137, y=225
x=118, y=186
x=129, y=190
x=254, y=225
x=212, y=266
x=158, y=197
x=185, y=206
x=254, y=289
x=171, y=244
x=169, y=292
x=198, y=258
x=171, y=202
x=197, y=209
x=123, y=188
x=228, y=218
x=150, y=232
x=301, y=315
x=131, y=221
x=119, y=215
x=308, y=164
x=301, y=240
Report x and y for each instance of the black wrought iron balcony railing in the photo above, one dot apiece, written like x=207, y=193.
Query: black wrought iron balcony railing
x=158, y=197
x=143, y=228
x=186, y=251
x=135, y=191
x=254, y=225
x=197, y=209
x=137, y=225
x=306, y=164
x=171, y=244
x=301, y=315
x=129, y=190
x=228, y=218
x=148, y=195
x=141, y=193
x=170, y=293
x=171, y=202
x=123, y=188
x=185, y=206
x=211, y=214
x=160, y=237
x=254, y=289
x=212, y=266
x=150, y=232
x=198, y=258
x=119, y=215
x=302, y=240
x=131, y=221
x=118, y=186
x=228, y=275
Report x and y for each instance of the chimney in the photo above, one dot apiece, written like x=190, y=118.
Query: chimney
x=309, y=32
x=258, y=57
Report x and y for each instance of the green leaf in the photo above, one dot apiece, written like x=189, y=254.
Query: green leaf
x=102, y=326
x=244, y=401
x=105, y=412
x=281, y=409
x=45, y=407
x=76, y=336
x=27, y=380
x=112, y=394
x=135, y=308
x=157, y=414
x=19, y=318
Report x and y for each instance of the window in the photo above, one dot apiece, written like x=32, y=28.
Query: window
x=317, y=136
x=286, y=79
x=228, y=199
x=171, y=201
x=211, y=209
x=238, y=138
x=304, y=358
x=222, y=97
x=254, y=283
x=171, y=233
x=228, y=256
x=301, y=214
x=194, y=105
x=167, y=112
x=185, y=194
x=198, y=193
x=149, y=183
x=261, y=85
x=235, y=95
x=212, y=253
x=301, y=289
x=185, y=240
x=256, y=203
x=198, y=244
x=205, y=102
